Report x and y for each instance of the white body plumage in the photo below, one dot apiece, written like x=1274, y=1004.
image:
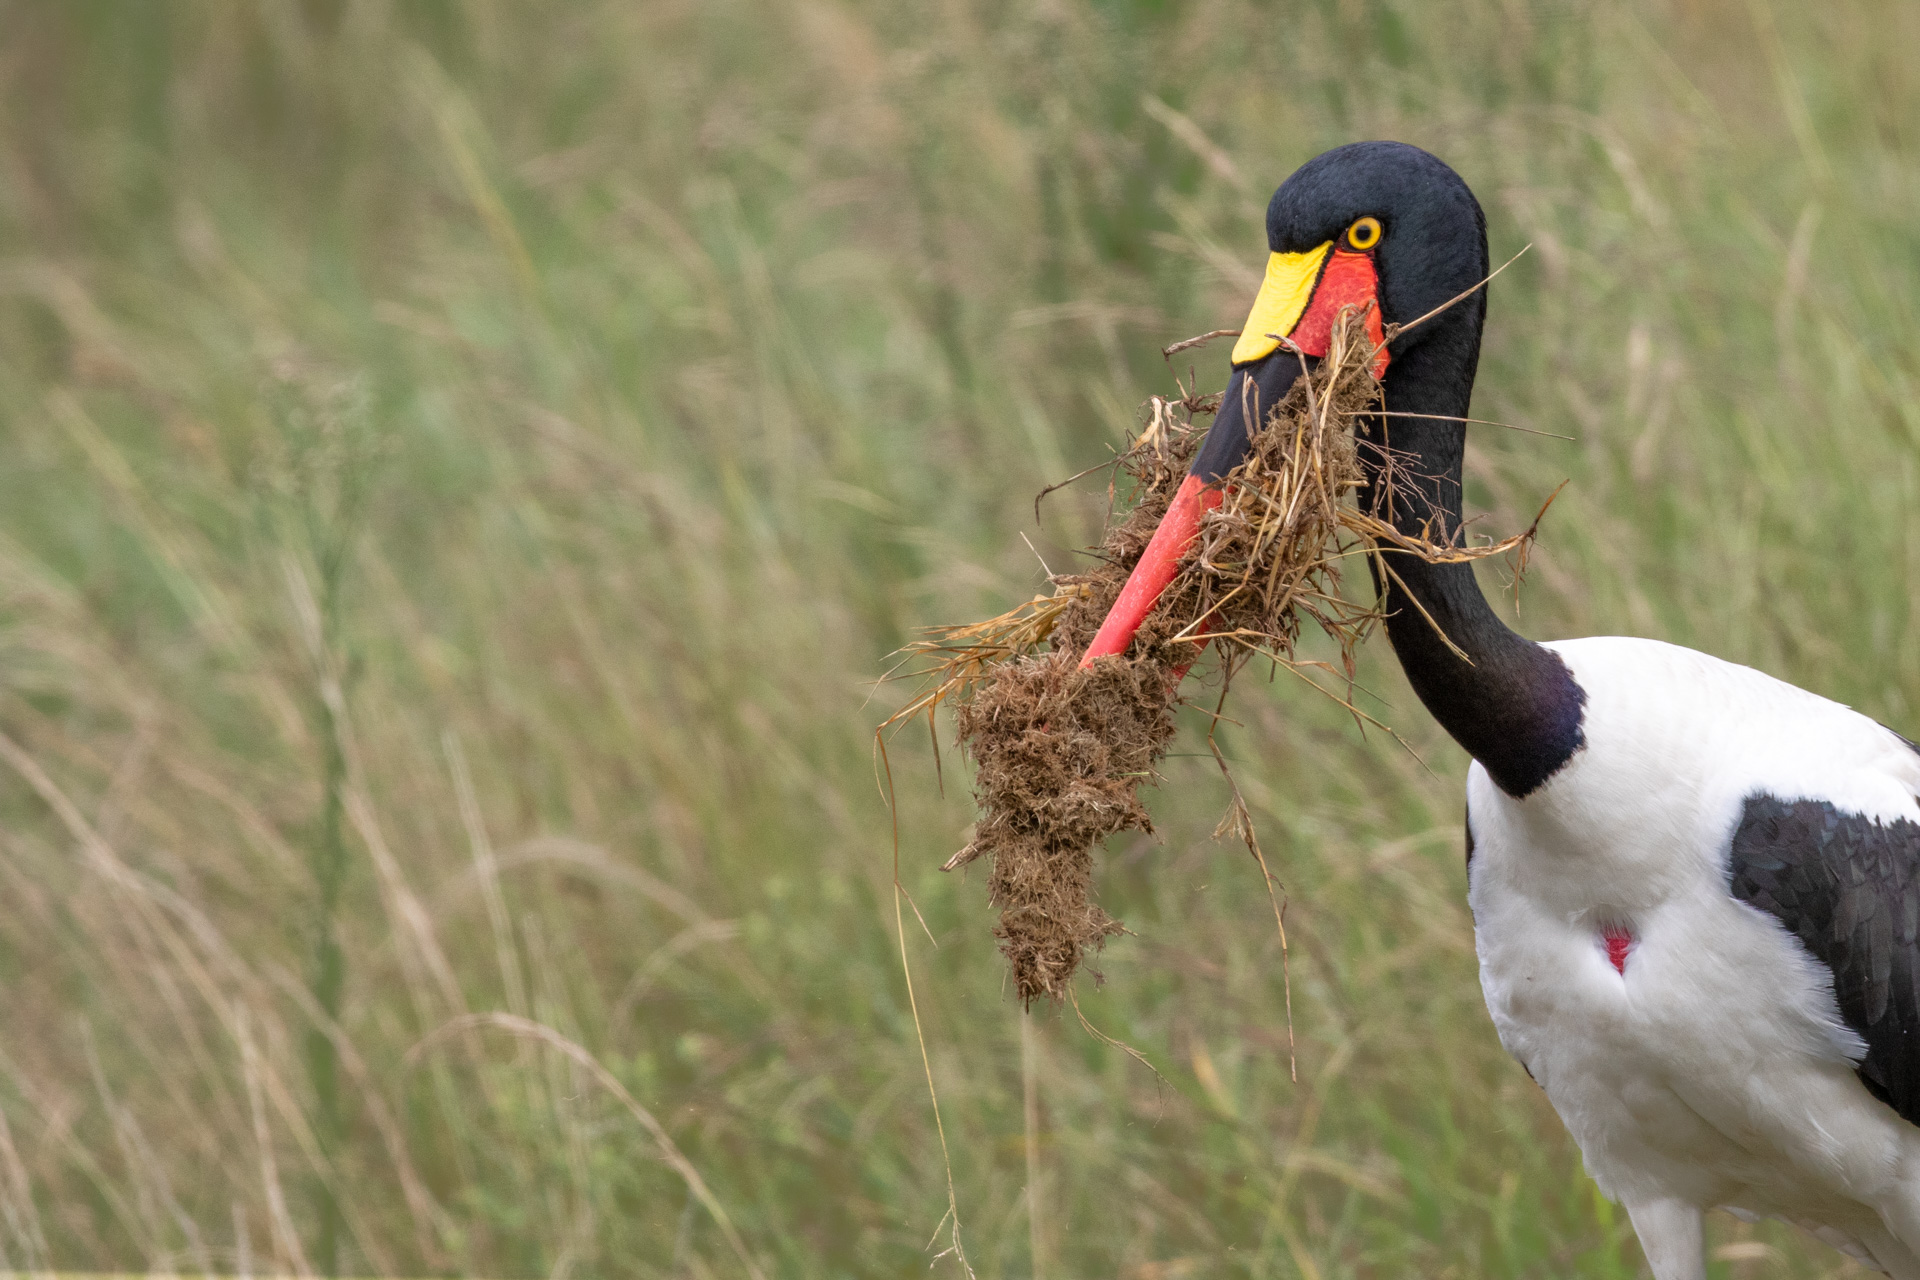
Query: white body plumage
x=1712, y=1067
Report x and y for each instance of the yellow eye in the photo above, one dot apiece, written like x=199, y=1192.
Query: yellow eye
x=1364, y=234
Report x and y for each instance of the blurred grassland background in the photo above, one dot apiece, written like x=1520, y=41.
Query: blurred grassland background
x=463, y=465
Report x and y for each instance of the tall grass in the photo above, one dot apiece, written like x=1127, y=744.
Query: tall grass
x=463, y=466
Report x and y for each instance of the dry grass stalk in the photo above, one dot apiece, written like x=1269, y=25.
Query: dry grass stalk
x=1060, y=751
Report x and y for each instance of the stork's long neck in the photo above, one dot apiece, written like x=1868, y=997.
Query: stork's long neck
x=1514, y=706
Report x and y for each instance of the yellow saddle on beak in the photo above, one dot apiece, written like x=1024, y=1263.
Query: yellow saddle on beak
x=1283, y=299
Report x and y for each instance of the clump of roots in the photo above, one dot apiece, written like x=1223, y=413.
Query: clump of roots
x=1061, y=750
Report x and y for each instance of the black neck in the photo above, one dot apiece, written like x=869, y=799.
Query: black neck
x=1513, y=705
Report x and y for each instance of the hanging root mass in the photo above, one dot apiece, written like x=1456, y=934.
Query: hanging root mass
x=1061, y=751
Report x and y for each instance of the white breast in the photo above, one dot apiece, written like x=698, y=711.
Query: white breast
x=1716, y=1068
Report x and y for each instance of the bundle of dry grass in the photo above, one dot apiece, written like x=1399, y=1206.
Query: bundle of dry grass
x=1061, y=749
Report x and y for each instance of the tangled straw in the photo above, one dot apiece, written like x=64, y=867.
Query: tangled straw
x=1060, y=751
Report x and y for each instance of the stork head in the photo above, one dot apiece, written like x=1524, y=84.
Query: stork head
x=1372, y=223
x=1380, y=226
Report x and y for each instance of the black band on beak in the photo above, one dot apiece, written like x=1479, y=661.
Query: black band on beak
x=1254, y=389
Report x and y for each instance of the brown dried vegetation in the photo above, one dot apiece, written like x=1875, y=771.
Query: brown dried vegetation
x=1061, y=751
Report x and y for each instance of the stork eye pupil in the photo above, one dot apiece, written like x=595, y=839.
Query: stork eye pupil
x=1364, y=234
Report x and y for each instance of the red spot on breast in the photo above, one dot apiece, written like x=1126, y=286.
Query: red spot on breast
x=1619, y=942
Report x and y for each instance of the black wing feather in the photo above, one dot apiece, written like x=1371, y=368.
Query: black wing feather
x=1848, y=887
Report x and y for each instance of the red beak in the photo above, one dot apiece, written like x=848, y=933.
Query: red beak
x=1348, y=280
x=1157, y=567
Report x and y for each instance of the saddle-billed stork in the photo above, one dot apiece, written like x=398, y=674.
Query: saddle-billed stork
x=1695, y=888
